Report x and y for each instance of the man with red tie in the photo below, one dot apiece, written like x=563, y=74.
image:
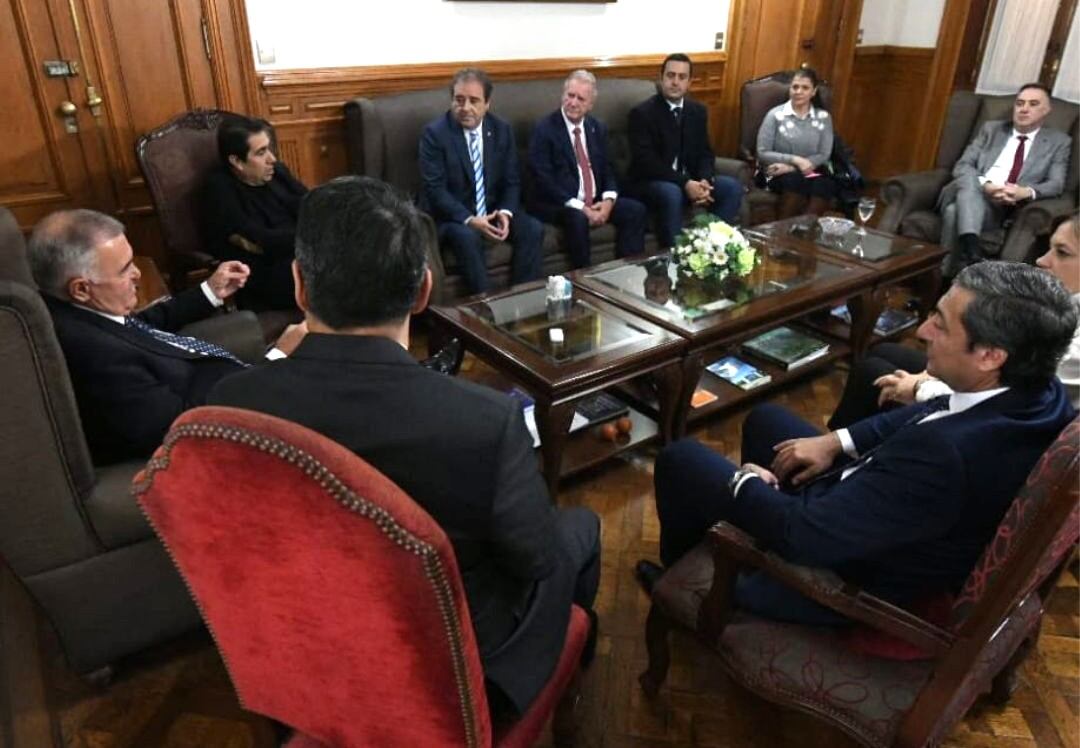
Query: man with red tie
x=1006, y=165
x=574, y=180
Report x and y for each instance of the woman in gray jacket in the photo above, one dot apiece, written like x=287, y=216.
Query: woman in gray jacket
x=794, y=143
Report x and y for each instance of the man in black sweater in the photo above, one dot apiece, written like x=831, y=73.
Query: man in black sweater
x=250, y=204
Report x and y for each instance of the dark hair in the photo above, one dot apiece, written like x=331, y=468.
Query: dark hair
x=1073, y=218
x=1037, y=85
x=676, y=57
x=472, y=74
x=233, y=134
x=810, y=74
x=1026, y=312
x=361, y=247
x=63, y=246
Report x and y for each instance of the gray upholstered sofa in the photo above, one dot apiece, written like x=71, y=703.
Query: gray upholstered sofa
x=71, y=532
x=383, y=136
x=910, y=199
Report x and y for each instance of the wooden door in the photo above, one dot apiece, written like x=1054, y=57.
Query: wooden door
x=145, y=61
x=45, y=167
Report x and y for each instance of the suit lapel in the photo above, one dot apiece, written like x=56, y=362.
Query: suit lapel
x=997, y=143
x=489, y=157
x=457, y=136
x=132, y=336
x=1033, y=169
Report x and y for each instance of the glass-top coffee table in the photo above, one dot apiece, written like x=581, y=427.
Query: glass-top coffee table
x=564, y=352
x=714, y=316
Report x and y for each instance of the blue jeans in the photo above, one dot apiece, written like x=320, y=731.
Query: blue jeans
x=667, y=201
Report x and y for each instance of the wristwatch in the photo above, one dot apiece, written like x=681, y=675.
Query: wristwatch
x=737, y=478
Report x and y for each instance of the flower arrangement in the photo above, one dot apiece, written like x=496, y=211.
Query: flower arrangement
x=710, y=249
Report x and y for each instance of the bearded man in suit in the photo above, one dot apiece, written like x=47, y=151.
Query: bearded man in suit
x=1008, y=164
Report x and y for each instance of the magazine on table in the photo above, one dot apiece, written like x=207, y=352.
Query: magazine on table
x=739, y=373
x=889, y=321
x=787, y=347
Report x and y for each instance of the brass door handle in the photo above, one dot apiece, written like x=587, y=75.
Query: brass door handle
x=67, y=109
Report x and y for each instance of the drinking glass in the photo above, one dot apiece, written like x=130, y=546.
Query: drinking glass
x=866, y=210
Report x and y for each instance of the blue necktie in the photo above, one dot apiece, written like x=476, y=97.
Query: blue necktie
x=478, y=172
x=185, y=342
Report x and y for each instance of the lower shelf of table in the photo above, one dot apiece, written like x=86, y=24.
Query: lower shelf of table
x=585, y=449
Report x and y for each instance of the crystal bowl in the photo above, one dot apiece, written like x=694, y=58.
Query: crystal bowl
x=835, y=225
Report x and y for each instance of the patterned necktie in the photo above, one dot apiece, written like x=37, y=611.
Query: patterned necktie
x=478, y=172
x=676, y=112
x=1018, y=160
x=586, y=168
x=184, y=342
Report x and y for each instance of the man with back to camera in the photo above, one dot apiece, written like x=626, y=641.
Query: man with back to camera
x=250, y=203
x=574, y=179
x=904, y=502
x=671, y=162
x=360, y=274
x=1005, y=166
x=471, y=184
x=131, y=375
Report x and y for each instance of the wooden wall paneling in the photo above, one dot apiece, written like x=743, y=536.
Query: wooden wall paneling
x=306, y=106
x=939, y=84
x=230, y=43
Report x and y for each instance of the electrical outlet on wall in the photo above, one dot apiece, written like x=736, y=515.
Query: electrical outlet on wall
x=265, y=53
x=858, y=39
x=719, y=44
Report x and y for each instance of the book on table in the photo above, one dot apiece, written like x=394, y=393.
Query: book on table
x=787, y=347
x=889, y=321
x=739, y=373
x=587, y=411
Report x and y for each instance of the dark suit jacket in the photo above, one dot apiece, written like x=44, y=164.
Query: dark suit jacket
x=459, y=450
x=448, y=191
x=916, y=517
x=655, y=142
x=554, y=164
x=131, y=386
x=264, y=215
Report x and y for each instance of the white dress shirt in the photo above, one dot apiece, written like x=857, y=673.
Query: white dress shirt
x=999, y=172
x=579, y=201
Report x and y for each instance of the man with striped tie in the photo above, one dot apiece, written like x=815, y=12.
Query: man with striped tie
x=132, y=373
x=471, y=184
x=902, y=503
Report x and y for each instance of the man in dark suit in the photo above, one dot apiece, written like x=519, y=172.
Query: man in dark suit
x=671, y=162
x=459, y=450
x=574, y=180
x=249, y=211
x=130, y=374
x=902, y=503
x=1008, y=164
x=472, y=184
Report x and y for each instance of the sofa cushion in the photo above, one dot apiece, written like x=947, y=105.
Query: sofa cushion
x=112, y=510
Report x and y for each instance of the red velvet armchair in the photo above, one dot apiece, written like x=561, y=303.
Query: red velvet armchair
x=334, y=599
x=896, y=678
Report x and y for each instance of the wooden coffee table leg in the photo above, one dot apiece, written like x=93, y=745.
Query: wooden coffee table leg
x=865, y=309
x=553, y=425
x=668, y=390
x=692, y=366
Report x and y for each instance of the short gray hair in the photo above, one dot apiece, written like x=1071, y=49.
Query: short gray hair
x=62, y=247
x=582, y=75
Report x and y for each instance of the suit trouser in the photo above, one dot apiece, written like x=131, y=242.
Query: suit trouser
x=628, y=216
x=467, y=244
x=667, y=201
x=692, y=495
x=860, y=398
x=967, y=212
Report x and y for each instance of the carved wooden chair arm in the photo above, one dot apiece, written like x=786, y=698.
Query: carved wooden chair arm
x=733, y=548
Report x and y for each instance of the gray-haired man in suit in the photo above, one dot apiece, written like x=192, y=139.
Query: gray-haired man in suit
x=1006, y=165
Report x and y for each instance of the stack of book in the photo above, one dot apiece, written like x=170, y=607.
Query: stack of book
x=787, y=347
x=739, y=373
x=889, y=321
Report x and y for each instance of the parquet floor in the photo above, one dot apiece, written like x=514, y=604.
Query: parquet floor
x=179, y=696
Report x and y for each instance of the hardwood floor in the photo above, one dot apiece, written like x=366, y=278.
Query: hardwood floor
x=179, y=696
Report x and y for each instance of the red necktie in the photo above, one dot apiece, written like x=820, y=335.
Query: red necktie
x=583, y=164
x=1018, y=160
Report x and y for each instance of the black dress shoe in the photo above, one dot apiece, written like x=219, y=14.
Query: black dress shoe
x=446, y=361
x=647, y=574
